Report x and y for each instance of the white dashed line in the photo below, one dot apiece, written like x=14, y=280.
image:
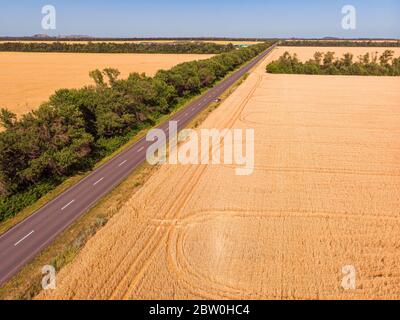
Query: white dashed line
x=122, y=163
x=140, y=149
x=17, y=243
x=98, y=181
x=67, y=205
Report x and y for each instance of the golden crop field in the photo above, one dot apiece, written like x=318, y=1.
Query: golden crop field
x=324, y=195
x=28, y=79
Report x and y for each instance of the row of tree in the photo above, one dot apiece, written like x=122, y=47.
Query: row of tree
x=77, y=127
x=113, y=47
x=154, y=39
x=341, y=43
x=327, y=64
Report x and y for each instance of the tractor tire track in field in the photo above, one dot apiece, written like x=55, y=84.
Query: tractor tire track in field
x=206, y=286
x=125, y=288
x=324, y=194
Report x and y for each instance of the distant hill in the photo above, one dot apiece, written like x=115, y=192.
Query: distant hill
x=41, y=36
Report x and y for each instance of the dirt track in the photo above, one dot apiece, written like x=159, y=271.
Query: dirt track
x=28, y=79
x=325, y=193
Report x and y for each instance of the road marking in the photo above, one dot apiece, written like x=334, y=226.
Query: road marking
x=122, y=163
x=140, y=149
x=17, y=243
x=193, y=109
x=98, y=181
x=67, y=205
x=186, y=114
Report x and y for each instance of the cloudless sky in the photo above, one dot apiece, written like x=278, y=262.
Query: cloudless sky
x=202, y=18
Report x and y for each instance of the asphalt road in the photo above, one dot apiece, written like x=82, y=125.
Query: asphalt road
x=23, y=242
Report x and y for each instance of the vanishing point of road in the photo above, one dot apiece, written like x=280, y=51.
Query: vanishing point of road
x=23, y=242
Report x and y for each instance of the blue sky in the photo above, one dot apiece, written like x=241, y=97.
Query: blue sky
x=196, y=18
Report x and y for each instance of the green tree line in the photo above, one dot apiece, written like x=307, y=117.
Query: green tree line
x=340, y=43
x=328, y=64
x=78, y=127
x=112, y=47
x=87, y=38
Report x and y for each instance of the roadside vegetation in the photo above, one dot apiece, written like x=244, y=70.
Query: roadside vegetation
x=27, y=283
x=340, y=43
x=112, y=47
x=328, y=64
x=77, y=128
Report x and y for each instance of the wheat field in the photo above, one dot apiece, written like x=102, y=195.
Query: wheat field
x=325, y=194
x=28, y=79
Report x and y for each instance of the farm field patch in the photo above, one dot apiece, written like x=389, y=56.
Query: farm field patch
x=28, y=79
x=324, y=195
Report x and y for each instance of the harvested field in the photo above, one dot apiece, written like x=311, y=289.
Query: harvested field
x=306, y=53
x=325, y=194
x=28, y=79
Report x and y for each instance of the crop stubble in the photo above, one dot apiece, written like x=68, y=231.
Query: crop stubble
x=324, y=194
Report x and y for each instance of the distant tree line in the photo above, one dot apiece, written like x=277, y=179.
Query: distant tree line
x=112, y=47
x=78, y=127
x=87, y=38
x=341, y=43
x=327, y=64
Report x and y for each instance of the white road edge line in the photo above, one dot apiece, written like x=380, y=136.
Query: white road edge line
x=98, y=181
x=17, y=243
x=122, y=163
x=67, y=205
